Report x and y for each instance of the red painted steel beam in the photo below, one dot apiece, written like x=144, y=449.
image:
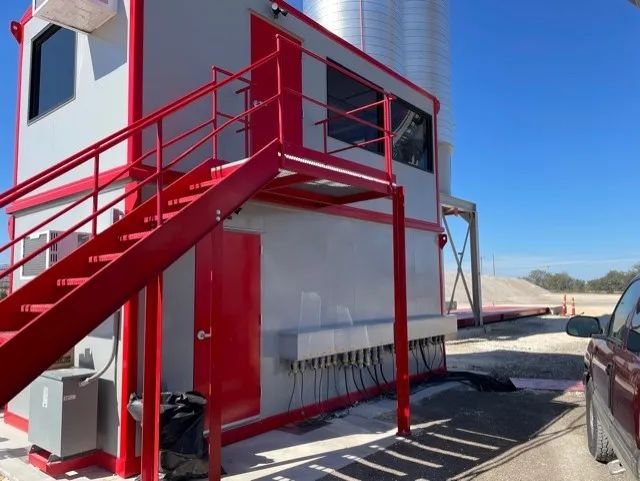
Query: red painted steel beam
x=215, y=353
x=400, y=332
x=152, y=372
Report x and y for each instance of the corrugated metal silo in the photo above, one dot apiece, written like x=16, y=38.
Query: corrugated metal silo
x=375, y=26
x=409, y=36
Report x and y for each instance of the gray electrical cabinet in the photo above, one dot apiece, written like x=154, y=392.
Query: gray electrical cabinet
x=63, y=417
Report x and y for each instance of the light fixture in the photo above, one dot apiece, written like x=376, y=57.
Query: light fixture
x=277, y=11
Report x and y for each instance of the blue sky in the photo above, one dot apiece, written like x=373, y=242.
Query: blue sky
x=547, y=108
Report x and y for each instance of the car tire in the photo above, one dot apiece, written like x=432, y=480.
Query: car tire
x=599, y=444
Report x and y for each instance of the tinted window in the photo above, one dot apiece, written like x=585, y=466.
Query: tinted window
x=627, y=304
x=413, y=141
x=413, y=129
x=345, y=94
x=633, y=340
x=53, y=70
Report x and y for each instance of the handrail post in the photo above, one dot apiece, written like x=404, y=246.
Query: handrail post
x=247, y=120
x=159, y=169
x=280, y=93
x=94, y=210
x=324, y=135
x=388, y=146
x=214, y=107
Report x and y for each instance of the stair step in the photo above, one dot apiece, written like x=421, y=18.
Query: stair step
x=134, y=236
x=184, y=200
x=72, y=281
x=204, y=184
x=37, y=308
x=165, y=216
x=103, y=258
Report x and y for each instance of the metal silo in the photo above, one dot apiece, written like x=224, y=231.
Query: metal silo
x=375, y=26
x=409, y=36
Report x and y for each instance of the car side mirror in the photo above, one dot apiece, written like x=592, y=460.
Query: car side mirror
x=583, y=326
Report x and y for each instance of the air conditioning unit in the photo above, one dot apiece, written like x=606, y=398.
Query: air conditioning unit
x=82, y=15
x=51, y=255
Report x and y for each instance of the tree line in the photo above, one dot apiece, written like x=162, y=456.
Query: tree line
x=611, y=282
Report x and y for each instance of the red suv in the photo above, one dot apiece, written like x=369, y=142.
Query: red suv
x=612, y=381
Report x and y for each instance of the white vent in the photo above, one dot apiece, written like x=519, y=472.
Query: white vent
x=51, y=255
x=81, y=15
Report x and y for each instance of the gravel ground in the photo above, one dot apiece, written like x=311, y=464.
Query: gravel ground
x=536, y=347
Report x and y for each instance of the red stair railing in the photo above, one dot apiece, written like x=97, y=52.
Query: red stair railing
x=386, y=133
x=94, y=152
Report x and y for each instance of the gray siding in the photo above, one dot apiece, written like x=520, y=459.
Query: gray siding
x=98, y=109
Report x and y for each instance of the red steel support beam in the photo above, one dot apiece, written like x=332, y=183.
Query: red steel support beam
x=214, y=404
x=400, y=332
x=151, y=380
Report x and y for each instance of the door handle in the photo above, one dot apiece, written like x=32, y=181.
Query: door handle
x=609, y=369
x=203, y=335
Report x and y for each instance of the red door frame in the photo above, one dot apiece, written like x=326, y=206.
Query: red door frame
x=239, y=326
x=264, y=122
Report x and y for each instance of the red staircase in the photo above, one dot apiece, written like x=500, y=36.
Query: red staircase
x=50, y=314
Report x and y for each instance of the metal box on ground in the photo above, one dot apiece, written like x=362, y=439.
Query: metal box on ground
x=63, y=417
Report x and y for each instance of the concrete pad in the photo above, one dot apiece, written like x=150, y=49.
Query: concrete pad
x=14, y=448
x=281, y=455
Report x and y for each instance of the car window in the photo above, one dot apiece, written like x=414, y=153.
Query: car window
x=627, y=304
x=633, y=339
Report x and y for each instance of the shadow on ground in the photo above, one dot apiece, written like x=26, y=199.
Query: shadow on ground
x=468, y=435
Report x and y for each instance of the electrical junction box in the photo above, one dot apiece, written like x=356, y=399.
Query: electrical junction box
x=63, y=417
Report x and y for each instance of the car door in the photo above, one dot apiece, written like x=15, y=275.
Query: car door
x=626, y=372
x=603, y=363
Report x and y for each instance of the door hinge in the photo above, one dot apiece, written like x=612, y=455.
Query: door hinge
x=261, y=249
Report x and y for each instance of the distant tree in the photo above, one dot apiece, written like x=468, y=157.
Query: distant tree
x=612, y=282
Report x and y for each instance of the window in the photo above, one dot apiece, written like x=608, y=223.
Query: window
x=413, y=129
x=53, y=70
x=345, y=94
x=626, y=305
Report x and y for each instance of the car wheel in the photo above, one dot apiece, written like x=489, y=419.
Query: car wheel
x=599, y=443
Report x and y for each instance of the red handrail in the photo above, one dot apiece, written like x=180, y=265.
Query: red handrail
x=81, y=157
x=156, y=118
x=112, y=140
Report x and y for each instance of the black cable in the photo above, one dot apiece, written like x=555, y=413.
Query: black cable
x=383, y=376
x=364, y=388
x=346, y=386
x=315, y=386
x=424, y=358
x=353, y=375
x=302, y=393
x=413, y=351
x=293, y=391
x=320, y=394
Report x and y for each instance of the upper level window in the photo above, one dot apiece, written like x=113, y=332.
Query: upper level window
x=413, y=129
x=53, y=70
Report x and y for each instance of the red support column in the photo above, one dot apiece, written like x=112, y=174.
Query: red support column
x=401, y=334
x=151, y=380
x=215, y=349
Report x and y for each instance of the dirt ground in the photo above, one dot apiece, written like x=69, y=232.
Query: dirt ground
x=535, y=347
x=465, y=435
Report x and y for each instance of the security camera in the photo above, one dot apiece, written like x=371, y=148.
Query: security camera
x=277, y=11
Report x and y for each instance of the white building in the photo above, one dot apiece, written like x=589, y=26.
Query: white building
x=307, y=271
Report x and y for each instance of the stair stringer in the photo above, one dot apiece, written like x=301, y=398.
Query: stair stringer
x=83, y=309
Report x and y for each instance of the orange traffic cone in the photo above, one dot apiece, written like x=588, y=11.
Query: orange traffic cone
x=573, y=306
x=564, y=305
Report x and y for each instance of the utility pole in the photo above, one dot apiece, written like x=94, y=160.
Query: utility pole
x=494, y=265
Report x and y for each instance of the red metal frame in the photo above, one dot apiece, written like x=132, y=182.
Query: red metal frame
x=379, y=181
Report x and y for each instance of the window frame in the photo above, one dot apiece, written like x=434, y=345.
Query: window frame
x=619, y=341
x=35, y=65
x=379, y=146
